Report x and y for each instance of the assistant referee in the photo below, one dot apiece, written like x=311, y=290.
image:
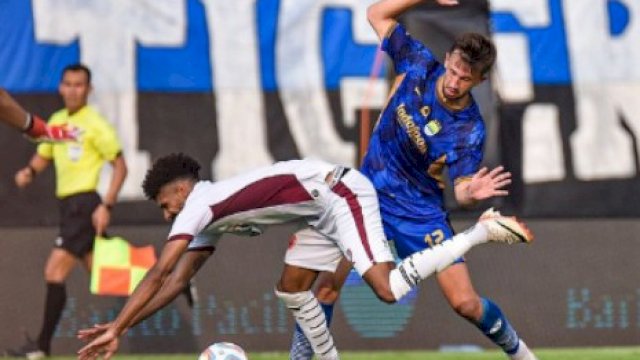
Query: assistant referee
x=83, y=214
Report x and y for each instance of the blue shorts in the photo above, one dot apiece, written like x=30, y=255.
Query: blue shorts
x=415, y=234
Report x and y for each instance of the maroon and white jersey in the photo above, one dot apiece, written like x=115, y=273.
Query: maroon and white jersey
x=281, y=193
x=343, y=208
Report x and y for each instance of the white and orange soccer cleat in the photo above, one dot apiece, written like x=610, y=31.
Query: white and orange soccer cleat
x=505, y=229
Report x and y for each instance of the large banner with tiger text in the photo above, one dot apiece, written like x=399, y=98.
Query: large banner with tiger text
x=239, y=84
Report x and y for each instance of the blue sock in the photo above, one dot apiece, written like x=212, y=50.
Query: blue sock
x=497, y=328
x=300, y=346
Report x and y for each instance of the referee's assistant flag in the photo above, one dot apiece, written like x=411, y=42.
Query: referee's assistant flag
x=118, y=266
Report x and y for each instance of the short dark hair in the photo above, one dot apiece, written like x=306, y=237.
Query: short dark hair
x=477, y=50
x=167, y=169
x=78, y=67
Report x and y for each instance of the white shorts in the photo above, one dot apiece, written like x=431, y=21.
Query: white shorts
x=351, y=227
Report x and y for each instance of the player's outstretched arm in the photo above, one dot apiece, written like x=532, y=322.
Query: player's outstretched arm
x=483, y=185
x=107, y=343
x=382, y=15
x=12, y=114
x=187, y=267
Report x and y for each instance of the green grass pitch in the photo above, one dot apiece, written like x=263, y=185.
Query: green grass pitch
x=619, y=353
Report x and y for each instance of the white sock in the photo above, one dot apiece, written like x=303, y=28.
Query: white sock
x=422, y=264
x=523, y=353
x=310, y=317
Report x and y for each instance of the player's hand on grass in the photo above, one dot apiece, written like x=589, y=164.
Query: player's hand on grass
x=90, y=334
x=104, y=346
x=486, y=184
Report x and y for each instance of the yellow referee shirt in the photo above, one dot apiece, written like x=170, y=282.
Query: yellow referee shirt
x=78, y=163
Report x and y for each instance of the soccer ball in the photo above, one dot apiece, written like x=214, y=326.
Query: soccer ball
x=223, y=351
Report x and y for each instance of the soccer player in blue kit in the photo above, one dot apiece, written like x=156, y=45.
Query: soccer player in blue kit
x=430, y=121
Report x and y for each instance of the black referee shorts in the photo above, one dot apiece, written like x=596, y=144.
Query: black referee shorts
x=76, y=227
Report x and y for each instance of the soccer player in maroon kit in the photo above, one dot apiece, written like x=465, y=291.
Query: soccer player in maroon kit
x=338, y=202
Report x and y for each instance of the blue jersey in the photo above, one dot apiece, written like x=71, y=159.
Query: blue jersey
x=417, y=137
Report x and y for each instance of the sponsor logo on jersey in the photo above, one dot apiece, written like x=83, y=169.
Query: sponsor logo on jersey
x=432, y=127
x=413, y=131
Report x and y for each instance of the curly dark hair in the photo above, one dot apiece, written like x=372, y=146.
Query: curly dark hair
x=477, y=50
x=167, y=169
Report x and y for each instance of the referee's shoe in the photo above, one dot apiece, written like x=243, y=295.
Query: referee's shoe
x=28, y=351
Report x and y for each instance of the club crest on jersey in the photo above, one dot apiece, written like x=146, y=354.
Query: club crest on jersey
x=425, y=110
x=432, y=127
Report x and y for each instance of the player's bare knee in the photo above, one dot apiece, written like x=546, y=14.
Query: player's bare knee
x=327, y=295
x=284, y=288
x=378, y=279
x=384, y=294
x=53, y=276
x=469, y=308
x=327, y=290
x=291, y=286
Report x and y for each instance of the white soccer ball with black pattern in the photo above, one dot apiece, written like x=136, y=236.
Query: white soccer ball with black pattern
x=223, y=351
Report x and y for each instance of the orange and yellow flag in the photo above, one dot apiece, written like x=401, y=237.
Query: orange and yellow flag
x=118, y=266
